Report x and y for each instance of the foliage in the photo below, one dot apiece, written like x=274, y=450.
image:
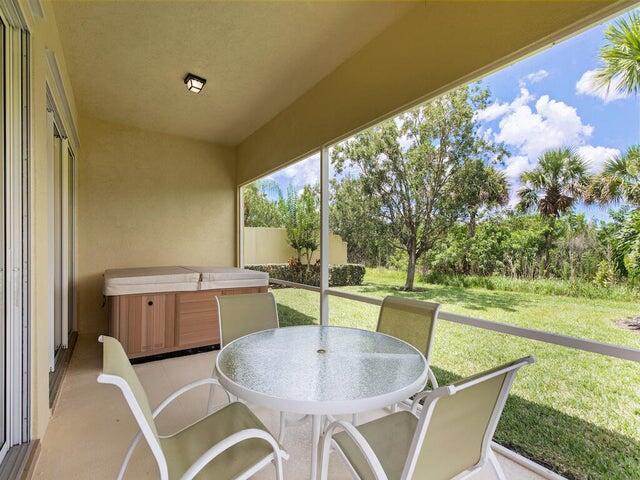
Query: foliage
x=367, y=237
x=339, y=275
x=621, y=56
x=302, y=221
x=555, y=184
x=409, y=166
x=542, y=286
x=259, y=211
x=619, y=180
x=627, y=246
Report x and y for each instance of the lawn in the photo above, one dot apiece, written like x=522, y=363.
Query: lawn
x=576, y=412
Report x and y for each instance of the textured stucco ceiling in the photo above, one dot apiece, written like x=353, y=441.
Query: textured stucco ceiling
x=127, y=59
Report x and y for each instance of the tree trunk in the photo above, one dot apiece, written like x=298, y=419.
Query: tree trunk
x=471, y=232
x=411, y=270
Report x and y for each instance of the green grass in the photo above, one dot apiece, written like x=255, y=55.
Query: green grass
x=576, y=412
x=544, y=286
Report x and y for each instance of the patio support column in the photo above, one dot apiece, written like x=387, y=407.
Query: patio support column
x=324, y=235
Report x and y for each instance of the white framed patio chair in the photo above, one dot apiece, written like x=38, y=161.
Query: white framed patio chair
x=449, y=438
x=231, y=443
x=414, y=322
x=240, y=315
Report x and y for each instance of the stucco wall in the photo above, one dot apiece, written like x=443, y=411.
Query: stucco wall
x=149, y=199
x=435, y=47
x=44, y=37
x=269, y=245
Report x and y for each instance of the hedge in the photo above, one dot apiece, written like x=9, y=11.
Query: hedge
x=339, y=275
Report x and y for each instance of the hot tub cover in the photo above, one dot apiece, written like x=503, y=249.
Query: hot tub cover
x=127, y=281
x=230, y=277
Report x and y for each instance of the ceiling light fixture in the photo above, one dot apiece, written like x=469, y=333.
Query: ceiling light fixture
x=194, y=83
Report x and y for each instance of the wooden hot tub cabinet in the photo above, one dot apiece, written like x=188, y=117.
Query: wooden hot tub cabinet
x=153, y=323
x=158, y=310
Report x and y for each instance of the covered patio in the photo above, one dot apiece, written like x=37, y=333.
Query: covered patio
x=127, y=165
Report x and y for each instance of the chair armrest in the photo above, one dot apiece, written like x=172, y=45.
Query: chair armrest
x=360, y=441
x=430, y=396
x=183, y=390
x=229, y=442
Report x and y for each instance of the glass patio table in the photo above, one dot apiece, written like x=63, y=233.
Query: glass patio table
x=321, y=371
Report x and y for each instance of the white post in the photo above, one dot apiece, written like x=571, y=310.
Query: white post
x=51, y=249
x=324, y=235
x=66, y=243
x=240, y=216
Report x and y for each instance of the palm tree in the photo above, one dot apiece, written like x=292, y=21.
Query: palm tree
x=553, y=187
x=621, y=56
x=482, y=187
x=618, y=181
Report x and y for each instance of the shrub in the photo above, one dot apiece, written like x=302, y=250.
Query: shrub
x=294, y=271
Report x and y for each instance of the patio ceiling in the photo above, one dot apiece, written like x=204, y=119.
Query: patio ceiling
x=127, y=59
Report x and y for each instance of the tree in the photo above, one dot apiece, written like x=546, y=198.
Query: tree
x=302, y=221
x=621, y=56
x=553, y=187
x=408, y=167
x=618, y=181
x=481, y=186
x=627, y=246
x=259, y=211
x=367, y=237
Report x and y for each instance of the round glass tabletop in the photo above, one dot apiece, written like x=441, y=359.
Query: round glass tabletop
x=321, y=370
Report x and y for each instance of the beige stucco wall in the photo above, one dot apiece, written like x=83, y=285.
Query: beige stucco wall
x=149, y=199
x=434, y=48
x=269, y=245
x=44, y=36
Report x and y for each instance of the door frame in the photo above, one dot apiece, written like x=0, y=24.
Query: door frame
x=68, y=257
x=16, y=181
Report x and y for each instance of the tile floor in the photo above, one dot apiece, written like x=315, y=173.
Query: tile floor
x=91, y=426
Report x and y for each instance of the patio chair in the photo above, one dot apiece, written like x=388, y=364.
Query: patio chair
x=449, y=438
x=240, y=315
x=231, y=443
x=414, y=322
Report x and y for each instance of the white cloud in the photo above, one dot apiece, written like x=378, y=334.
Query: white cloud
x=529, y=127
x=538, y=76
x=551, y=124
x=516, y=166
x=596, y=156
x=497, y=109
x=587, y=85
x=304, y=172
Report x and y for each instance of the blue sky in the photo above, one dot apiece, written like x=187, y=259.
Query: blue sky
x=544, y=101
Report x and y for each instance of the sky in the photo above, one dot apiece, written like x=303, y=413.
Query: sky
x=547, y=100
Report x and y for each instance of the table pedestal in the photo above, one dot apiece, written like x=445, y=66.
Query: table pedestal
x=316, y=430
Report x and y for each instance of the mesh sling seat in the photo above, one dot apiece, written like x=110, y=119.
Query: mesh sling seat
x=449, y=438
x=412, y=321
x=231, y=443
x=241, y=315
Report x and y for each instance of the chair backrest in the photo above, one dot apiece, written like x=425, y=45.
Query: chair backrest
x=457, y=424
x=117, y=370
x=410, y=320
x=241, y=315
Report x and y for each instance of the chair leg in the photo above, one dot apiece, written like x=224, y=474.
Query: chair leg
x=495, y=463
x=432, y=379
x=354, y=419
x=324, y=458
x=211, y=392
x=278, y=463
x=283, y=428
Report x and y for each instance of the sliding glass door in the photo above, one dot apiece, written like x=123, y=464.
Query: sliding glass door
x=3, y=313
